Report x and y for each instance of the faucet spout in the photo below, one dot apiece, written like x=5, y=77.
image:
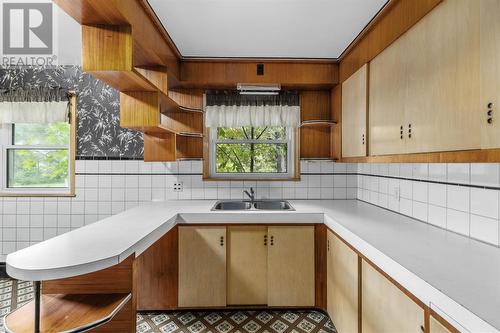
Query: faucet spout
x=250, y=194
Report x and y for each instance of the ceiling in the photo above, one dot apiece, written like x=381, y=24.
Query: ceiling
x=264, y=28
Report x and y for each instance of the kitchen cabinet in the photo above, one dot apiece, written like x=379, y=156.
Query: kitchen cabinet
x=436, y=326
x=490, y=73
x=202, y=266
x=424, y=88
x=354, y=108
x=342, y=284
x=385, y=308
x=247, y=265
x=291, y=266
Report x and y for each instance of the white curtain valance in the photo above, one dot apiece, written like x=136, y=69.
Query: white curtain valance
x=33, y=112
x=252, y=115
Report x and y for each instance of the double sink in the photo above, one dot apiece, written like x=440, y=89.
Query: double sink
x=252, y=205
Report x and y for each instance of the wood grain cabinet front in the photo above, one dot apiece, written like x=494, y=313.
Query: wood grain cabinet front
x=291, y=266
x=354, y=113
x=202, y=266
x=247, y=265
x=385, y=308
x=342, y=284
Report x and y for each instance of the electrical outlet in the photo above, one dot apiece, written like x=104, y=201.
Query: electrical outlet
x=396, y=192
x=178, y=187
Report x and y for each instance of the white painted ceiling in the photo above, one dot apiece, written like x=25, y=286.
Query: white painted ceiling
x=264, y=28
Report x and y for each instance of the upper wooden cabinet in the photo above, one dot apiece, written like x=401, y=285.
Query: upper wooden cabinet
x=247, y=265
x=424, y=88
x=490, y=73
x=354, y=113
x=291, y=266
x=385, y=308
x=202, y=266
x=342, y=284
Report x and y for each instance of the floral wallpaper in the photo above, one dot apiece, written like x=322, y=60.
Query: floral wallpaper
x=99, y=133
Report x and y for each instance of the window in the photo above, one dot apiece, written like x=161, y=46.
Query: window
x=37, y=159
x=252, y=152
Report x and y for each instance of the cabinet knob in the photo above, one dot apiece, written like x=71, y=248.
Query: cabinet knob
x=221, y=240
x=265, y=240
x=490, y=105
x=272, y=240
x=422, y=328
x=490, y=120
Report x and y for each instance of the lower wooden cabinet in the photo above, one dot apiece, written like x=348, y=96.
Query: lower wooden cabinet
x=342, y=285
x=247, y=265
x=202, y=266
x=291, y=270
x=385, y=308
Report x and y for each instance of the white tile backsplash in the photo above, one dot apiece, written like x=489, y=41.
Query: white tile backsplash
x=463, y=198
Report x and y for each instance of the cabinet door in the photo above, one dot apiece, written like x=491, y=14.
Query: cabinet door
x=437, y=327
x=385, y=308
x=291, y=266
x=247, y=265
x=442, y=57
x=342, y=285
x=490, y=73
x=354, y=104
x=387, y=93
x=202, y=266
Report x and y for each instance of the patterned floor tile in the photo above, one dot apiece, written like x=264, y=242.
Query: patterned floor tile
x=14, y=294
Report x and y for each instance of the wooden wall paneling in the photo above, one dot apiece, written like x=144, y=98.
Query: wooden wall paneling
x=336, y=131
x=315, y=105
x=320, y=266
x=150, y=48
x=157, y=274
x=159, y=147
x=189, y=147
x=190, y=99
x=490, y=73
x=227, y=73
x=157, y=76
x=315, y=142
x=397, y=18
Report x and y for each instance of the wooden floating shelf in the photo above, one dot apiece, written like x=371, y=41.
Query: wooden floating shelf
x=318, y=123
x=190, y=100
x=167, y=146
x=67, y=312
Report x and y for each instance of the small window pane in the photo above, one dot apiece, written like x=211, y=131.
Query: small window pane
x=40, y=168
x=251, y=133
x=54, y=134
x=251, y=158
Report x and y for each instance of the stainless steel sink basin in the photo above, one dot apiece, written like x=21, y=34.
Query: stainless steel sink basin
x=256, y=205
x=232, y=205
x=272, y=205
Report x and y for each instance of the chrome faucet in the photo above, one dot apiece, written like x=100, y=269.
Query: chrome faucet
x=251, y=195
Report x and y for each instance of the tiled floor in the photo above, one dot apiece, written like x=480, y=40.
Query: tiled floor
x=14, y=294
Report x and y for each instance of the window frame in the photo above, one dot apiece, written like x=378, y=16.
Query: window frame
x=291, y=141
x=7, y=135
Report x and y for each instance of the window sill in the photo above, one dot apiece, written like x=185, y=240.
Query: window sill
x=36, y=195
x=225, y=179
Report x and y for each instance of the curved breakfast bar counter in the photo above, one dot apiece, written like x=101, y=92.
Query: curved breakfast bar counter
x=455, y=276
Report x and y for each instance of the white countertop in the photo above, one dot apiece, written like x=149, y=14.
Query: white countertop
x=456, y=276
